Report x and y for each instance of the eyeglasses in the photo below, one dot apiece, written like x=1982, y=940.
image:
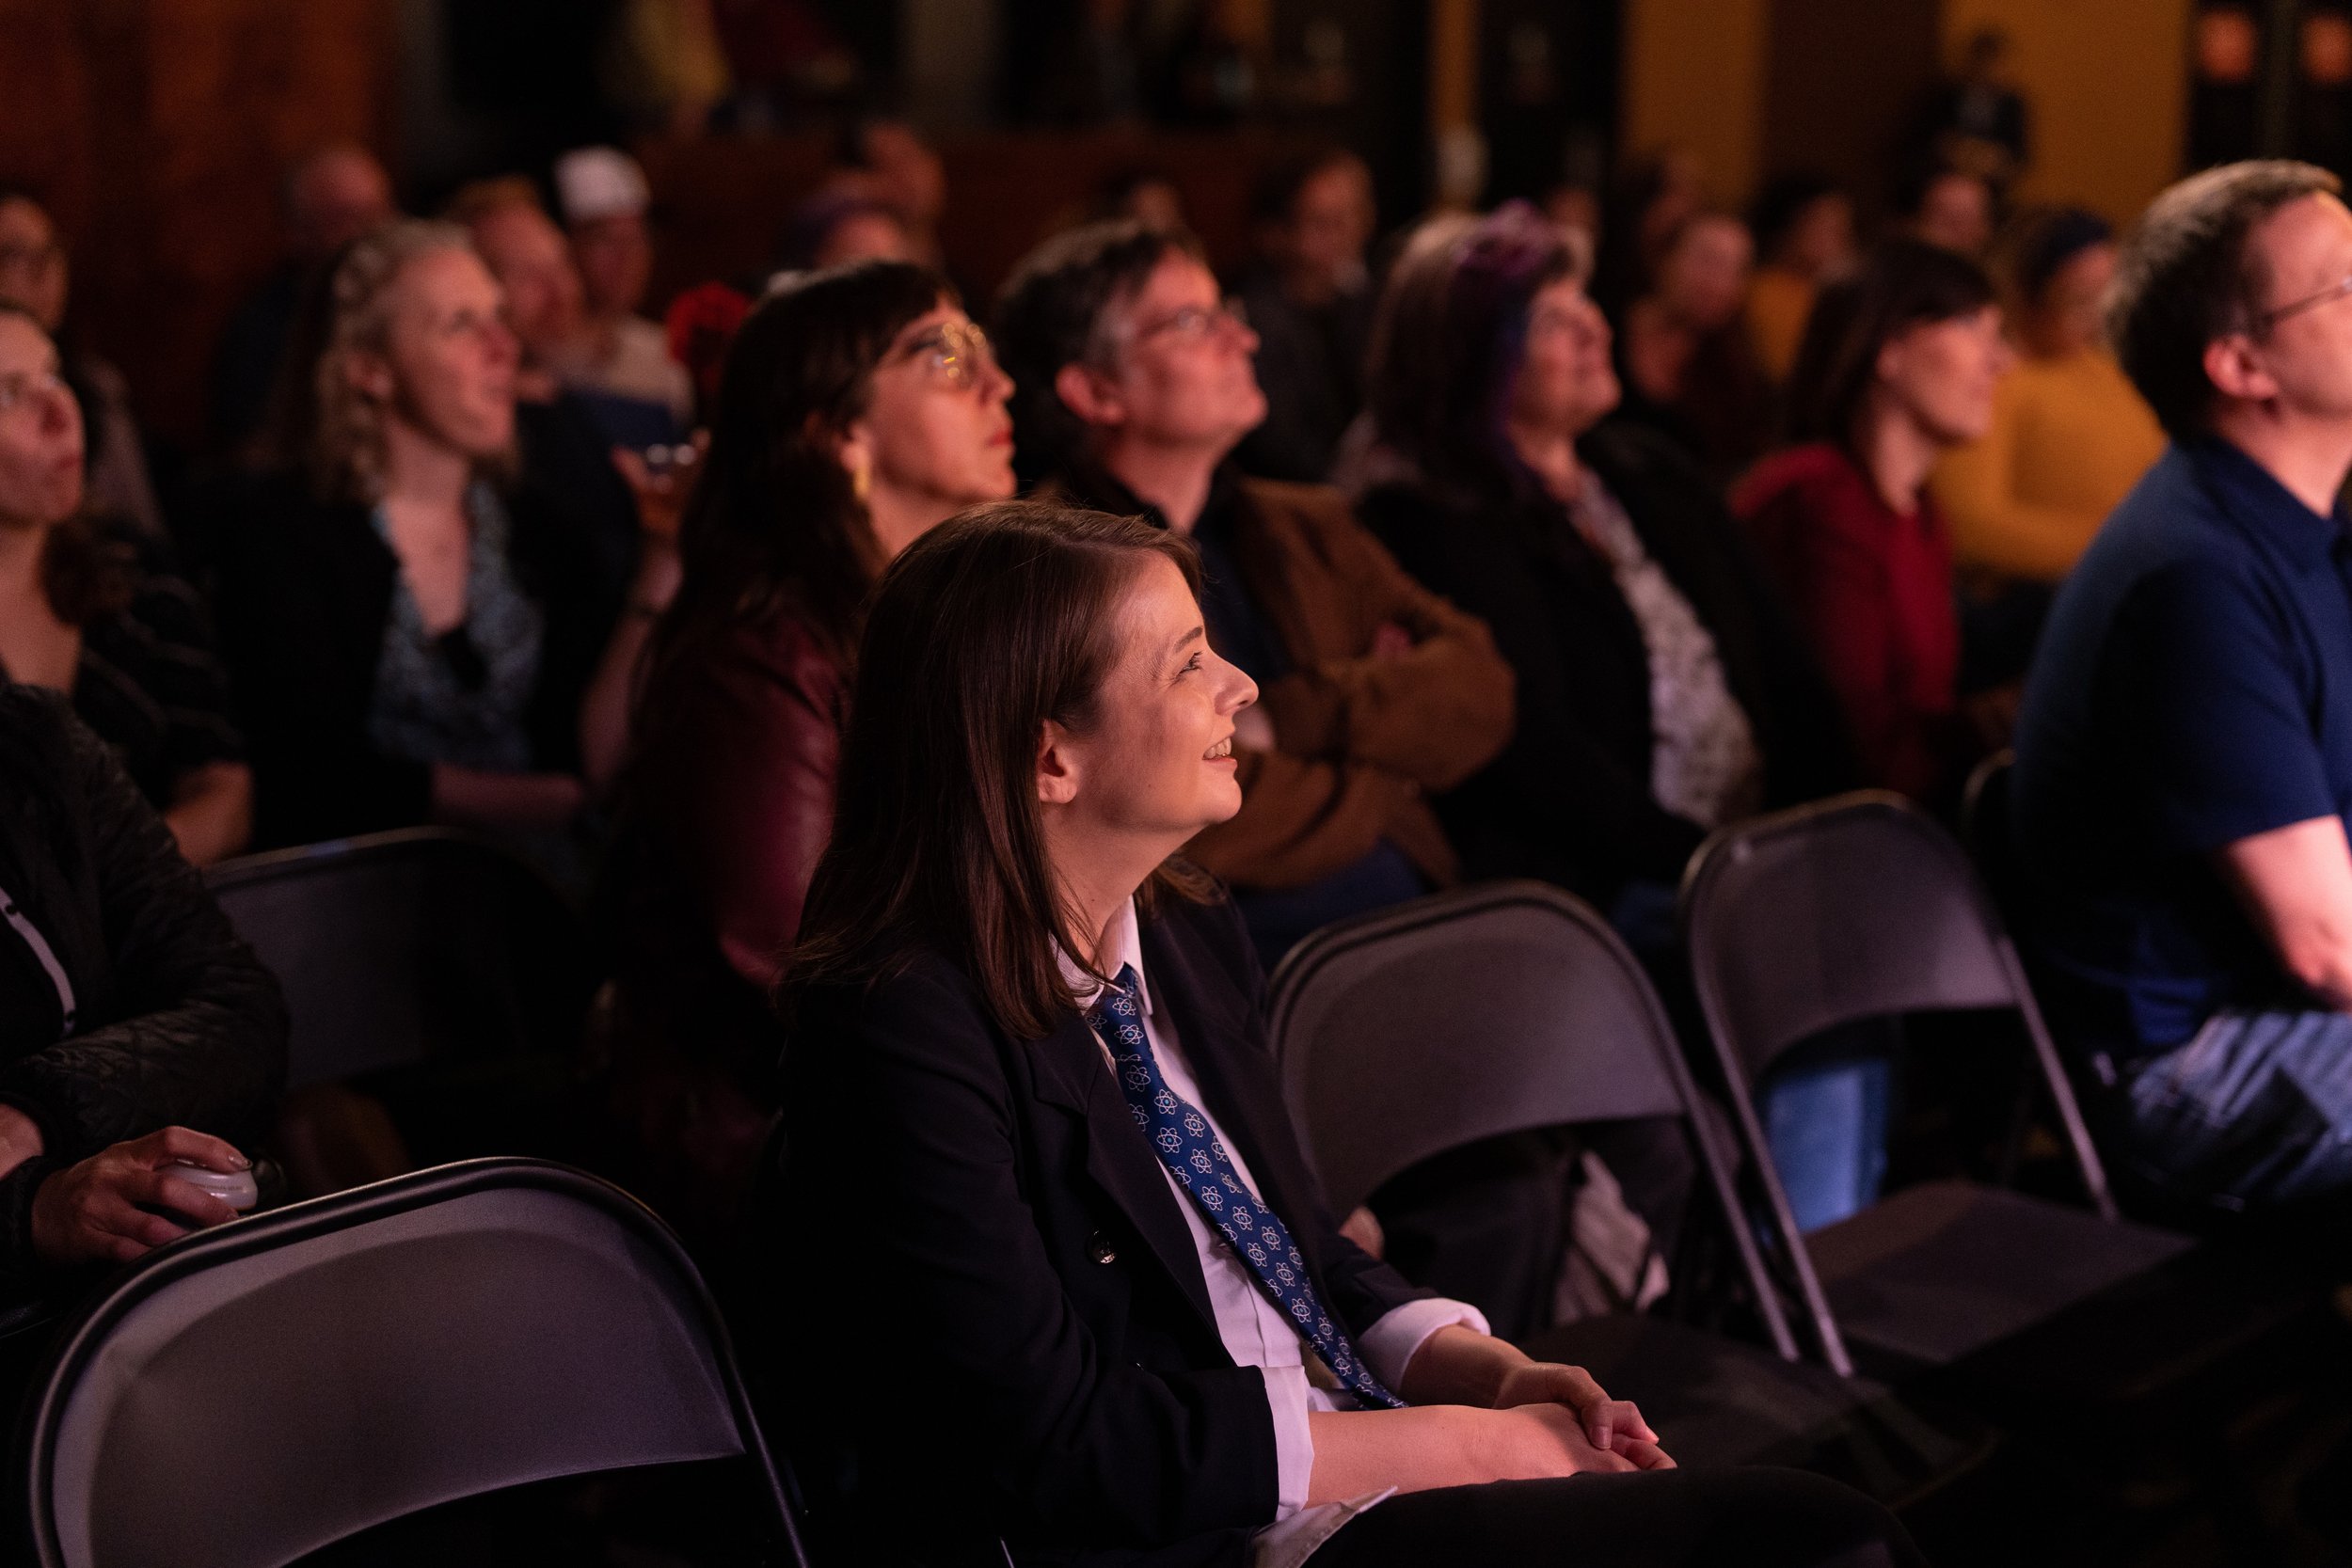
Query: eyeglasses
x=15, y=390
x=956, y=352
x=2333, y=292
x=1197, y=323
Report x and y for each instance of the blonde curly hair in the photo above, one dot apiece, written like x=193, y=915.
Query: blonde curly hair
x=346, y=437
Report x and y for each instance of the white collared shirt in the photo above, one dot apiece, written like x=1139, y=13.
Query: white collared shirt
x=1256, y=1333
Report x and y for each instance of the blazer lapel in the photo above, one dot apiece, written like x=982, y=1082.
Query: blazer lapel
x=1072, y=1074
x=1211, y=1021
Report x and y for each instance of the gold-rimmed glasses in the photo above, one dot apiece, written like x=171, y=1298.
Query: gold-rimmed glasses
x=954, y=352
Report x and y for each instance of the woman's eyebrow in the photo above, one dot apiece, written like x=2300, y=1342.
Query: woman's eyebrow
x=1183, y=641
x=915, y=337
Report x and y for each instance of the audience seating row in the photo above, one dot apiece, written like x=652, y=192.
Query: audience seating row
x=490, y=1294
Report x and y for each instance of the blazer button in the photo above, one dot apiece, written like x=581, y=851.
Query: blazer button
x=1100, y=1249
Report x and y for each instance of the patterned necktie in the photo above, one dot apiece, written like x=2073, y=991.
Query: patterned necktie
x=1180, y=1136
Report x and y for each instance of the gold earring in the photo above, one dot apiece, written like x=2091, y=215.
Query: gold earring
x=861, y=481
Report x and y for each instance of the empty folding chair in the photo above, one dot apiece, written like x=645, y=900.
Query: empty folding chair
x=259, y=1391
x=1861, y=907
x=399, y=948
x=1509, y=1007
x=439, y=989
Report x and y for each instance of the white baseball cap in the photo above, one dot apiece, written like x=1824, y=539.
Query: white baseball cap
x=599, y=182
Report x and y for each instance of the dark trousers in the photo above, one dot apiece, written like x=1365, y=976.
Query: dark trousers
x=1744, y=1518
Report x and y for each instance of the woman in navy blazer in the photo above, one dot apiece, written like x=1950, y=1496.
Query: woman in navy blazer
x=994, y=1310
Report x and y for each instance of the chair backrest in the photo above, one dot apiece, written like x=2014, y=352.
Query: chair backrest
x=255, y=1392
x=1470, y=1014
x=1854, y=907
x=404, y=946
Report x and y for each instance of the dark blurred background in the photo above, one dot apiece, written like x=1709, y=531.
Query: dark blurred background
x=157, y=131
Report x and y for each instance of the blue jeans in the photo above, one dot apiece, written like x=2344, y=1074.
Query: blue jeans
x=1825, y=1109
x=2255, y=1109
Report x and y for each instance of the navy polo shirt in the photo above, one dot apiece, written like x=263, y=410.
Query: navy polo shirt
x=2193, y=687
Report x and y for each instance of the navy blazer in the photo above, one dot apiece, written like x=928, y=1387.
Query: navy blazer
x=993, y=1320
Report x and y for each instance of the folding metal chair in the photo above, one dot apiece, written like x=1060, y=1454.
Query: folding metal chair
x=401, y=947
x=1509, y=1007
x=258, y=1391
x=1861, y=907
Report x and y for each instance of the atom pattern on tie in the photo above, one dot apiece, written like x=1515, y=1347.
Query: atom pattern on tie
x=1180, y=1136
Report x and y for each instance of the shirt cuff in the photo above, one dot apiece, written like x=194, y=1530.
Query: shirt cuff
x=1389, y=1345
x=1286, y=1392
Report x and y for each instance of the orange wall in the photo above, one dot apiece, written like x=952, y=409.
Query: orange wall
x=1693, y=79
x=2108, y=81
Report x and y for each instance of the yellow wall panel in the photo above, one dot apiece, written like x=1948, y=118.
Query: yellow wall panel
x=1694, y=80
x=2108, y=81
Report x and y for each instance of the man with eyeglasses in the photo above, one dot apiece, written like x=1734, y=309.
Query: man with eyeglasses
x=2184, y=755
x=1133, y=385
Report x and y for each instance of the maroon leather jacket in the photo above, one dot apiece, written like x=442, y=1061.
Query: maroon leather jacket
x=728, y=807
x=740, y=741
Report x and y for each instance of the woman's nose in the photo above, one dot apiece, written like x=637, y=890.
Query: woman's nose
x=60, y=412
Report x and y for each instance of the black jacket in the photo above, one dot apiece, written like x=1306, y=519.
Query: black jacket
x=989, y=1314
x=304, y=591
x=177, y=1022
x=1569, y=798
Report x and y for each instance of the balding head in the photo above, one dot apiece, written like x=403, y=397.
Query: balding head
x=335, y=194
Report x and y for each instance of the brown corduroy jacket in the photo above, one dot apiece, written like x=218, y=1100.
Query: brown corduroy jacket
x=1361, y=732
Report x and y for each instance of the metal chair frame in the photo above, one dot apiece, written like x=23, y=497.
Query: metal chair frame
x=84, y=1339
x=257, y=874
x=1303, y=967
x=1718, y=858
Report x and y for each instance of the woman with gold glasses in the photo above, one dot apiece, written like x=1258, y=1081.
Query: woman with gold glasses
x=859, y=407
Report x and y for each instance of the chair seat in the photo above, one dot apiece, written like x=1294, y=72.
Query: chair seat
x=1717, y=1401
x=1938, y=1272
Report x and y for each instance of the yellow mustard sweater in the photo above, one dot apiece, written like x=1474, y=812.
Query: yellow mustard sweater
x=1778, y=304
x=2069, y=437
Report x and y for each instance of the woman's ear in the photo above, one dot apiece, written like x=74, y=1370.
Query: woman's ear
x=1894, y=355
x=1057, y=767
x=853, y=448
x=370, y=376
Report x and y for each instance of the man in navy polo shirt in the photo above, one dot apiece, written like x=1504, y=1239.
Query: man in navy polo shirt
x=2185, y=756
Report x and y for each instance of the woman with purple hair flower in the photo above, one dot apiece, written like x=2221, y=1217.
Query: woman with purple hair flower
x=1661, y=691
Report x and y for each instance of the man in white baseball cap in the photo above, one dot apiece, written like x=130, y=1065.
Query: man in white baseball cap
x=603, y=196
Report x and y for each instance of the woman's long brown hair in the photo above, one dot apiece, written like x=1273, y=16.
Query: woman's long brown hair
x=992, y=624
x=773, y=516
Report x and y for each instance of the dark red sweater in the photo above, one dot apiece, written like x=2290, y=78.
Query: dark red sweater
x=1874, y=590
